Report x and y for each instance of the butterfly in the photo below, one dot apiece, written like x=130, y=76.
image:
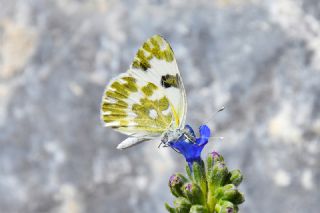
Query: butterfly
x=149, y=100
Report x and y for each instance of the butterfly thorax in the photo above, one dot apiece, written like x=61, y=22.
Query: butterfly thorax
x=176, y=134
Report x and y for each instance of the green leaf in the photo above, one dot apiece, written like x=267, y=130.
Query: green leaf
x=182, y=205
x=188, y=170
x=169, y=208
x=198, y=209
x=209, y=163
x=199, y=175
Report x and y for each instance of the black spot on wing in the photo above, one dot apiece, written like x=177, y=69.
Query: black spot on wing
x=168, y=81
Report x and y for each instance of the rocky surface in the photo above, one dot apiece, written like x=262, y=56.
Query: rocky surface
x=259, y=59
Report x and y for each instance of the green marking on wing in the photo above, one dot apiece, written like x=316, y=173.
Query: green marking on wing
x=131, y=84
x=149, y=89
x=129, y=115
x=114, y=105
x=156, y=47
x=143, y=120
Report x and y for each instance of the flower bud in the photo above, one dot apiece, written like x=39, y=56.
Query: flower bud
x=193, y=192
x=198, y=209
x=215, y=154
x=217, y=176
x=236, y=177
x=216, y=157
x=176, y=181
x=231, y=194
x=225, y=207
x=212, y=159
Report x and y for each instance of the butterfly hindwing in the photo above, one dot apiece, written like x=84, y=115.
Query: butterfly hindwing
x=135, y=107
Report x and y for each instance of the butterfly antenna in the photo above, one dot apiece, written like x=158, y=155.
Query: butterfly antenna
x=214, y=114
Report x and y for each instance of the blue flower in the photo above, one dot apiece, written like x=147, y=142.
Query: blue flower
x=191, y=150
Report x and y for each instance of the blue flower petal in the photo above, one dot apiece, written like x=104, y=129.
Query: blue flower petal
x=188, y=127
x=204, y=135
x=192, y=151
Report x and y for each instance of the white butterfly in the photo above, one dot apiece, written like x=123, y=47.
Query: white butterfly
x=149, y=100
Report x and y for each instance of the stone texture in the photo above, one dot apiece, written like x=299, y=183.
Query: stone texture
x=259, y=59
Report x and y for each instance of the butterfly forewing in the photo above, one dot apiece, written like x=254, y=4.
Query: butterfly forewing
x=155, y=62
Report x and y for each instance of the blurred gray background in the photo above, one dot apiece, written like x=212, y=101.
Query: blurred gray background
x=259, y=59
